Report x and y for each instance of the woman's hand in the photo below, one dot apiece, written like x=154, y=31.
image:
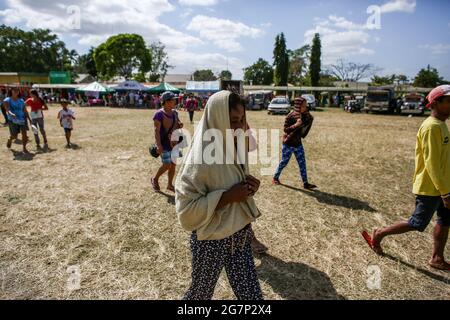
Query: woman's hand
x=253, y=184
x=239, y=192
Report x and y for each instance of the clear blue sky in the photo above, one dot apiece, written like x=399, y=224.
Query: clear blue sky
x=235, y=33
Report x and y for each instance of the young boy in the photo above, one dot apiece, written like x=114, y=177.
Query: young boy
x=296, y=127
x=431, y=181
x=66, y=117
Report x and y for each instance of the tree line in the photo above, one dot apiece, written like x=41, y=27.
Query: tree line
x=128, y=56
x=303, y=67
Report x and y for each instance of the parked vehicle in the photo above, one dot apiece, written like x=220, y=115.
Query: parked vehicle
x=311, y=100
x=412, y=103
x=353, y=106
x=279, y=105
x=380, y=99
x=361, y=100
x=260, y=100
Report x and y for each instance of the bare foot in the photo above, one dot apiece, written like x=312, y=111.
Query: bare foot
x=171, y=188
x=439, y=264
x=376, y=242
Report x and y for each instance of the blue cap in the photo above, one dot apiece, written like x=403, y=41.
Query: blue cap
x=166, y=96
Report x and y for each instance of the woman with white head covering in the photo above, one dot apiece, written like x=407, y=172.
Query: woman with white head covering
x=214, y=201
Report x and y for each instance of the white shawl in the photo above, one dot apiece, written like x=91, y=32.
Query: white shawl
x=199, y=187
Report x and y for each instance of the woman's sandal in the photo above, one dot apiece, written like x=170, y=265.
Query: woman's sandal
x=155, y=185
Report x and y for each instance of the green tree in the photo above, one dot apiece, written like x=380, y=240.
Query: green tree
x=280, y=61
x=298, y=64
x=159, y=65
x=86, y=64
x=315, y=66
x=382, y=81
x=37, y=51
x=327, y=80
x=259, y=73
x=139, y=77
x=225, y=75
x=122, y=55
x=428, y=78
x=401, y=79
x=204, y=75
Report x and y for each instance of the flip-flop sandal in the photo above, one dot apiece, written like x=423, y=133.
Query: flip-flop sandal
x=171, y=189
x=155, y=185
x=368, y=238
x=369, y=241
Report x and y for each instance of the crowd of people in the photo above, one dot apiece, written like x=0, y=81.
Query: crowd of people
x=19, y=119
x=215, y=202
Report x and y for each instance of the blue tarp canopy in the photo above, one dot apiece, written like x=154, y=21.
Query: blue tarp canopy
x=131, y=85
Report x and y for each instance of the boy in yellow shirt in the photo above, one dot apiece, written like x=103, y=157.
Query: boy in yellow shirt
x=431, y=181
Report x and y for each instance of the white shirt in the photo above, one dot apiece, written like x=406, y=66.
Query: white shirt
x=66, y=118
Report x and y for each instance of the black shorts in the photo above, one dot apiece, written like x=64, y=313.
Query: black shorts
x=426, y=206
x=15, y=129
x=67, y=130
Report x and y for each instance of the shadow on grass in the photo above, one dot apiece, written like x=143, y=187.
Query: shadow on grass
x=74, y=146
x=170, y=198
x=425, y=272
x=296, y=281
x=21, y=156
x=45, y=150
x=335, y=200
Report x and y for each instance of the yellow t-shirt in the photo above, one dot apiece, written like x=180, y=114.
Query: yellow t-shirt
x=432, y=176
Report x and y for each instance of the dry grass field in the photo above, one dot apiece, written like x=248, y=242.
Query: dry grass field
x=93, y=207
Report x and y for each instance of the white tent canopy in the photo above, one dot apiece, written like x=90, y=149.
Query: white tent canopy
x=130, y=85
x=95, y=87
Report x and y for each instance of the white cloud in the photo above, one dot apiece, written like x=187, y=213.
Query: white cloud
x=340, y=38
x=408, y=6
x=186, y=13
x=437, y=49
x=204, y=3
x=100, y=19
x=266, y=25
x=188, y=62
x=341, y=22
x=223, y=33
